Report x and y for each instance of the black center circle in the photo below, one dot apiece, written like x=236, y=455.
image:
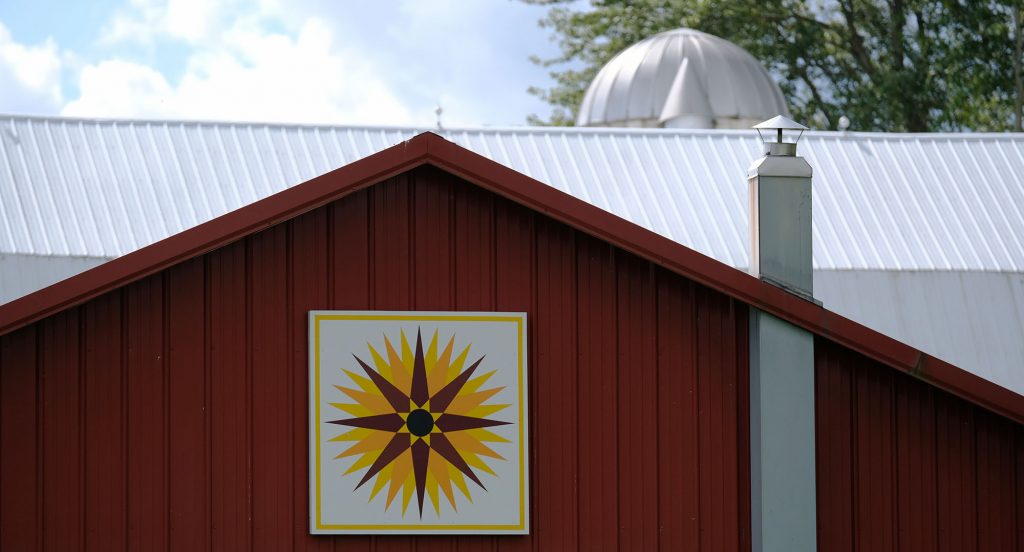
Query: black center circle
x=420, y=422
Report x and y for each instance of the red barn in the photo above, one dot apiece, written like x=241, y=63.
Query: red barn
x=159, y=401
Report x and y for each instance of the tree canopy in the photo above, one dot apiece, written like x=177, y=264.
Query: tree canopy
x=887, y=65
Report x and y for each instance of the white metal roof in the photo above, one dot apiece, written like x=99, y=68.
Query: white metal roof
x=681, y=78
x=918, y=236
x=881, y=201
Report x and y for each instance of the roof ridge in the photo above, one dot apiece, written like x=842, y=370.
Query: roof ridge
x=848, y=135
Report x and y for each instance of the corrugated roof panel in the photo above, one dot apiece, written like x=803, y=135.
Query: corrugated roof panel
x=882, y=201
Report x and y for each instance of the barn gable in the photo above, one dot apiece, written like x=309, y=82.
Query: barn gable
x=161, y=399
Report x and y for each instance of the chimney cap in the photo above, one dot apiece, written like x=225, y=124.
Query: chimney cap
x=779, y=122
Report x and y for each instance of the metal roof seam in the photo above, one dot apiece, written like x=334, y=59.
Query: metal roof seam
x=705, y=239
x=998, y=207
x=937, y=230
x=574, y=163
x=118, y=201
x=203, y=209
x=177, y=221
x=735, y=233
x=34, y=166
x=5, y=208
x=219, y=191
x=628, y=183
x=869, y=227
x=128, y=185
x=179, y=167
x=251, y=152
x=957, y=189
x=666, y=185
x=898, y=199
x=73, y=196
x=149, y=183
x=706, y=184
x=929, y=166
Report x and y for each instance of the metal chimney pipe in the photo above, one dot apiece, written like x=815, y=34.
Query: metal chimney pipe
x=783, y=500
x=780, y=212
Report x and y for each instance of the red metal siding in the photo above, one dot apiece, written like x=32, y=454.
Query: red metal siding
x=905, y=466
x=172, y=413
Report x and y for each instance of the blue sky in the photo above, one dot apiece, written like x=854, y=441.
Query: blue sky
x=388, y=62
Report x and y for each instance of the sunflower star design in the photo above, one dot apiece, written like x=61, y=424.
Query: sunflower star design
x=419, y=422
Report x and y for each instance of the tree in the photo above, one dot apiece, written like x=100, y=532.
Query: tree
x=891, y=65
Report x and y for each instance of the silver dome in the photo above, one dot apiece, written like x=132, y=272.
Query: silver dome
x=682, y=78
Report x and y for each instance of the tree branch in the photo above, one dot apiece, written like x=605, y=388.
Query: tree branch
x=1017, y=84
x=801, y=71
x=856, y=41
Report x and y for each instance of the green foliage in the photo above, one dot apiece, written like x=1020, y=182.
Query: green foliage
x=890, y=65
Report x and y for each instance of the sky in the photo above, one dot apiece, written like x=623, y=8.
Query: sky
x=345, y=62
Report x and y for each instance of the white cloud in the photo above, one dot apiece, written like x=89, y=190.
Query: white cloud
x=29, y=75
x=250, y=75
x=193, y=22
x=116, y=88
x=315, y=61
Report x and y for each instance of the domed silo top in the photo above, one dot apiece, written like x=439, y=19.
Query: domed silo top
x=682, y=78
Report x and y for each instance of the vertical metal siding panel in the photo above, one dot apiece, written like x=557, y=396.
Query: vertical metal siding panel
x=555, y=391
x=474, y=247
x=717, y=441
x=270, y=459
x=19, y=433
x=186, y=380
x=995, y=491
x=915, y=476
x=432, y=237
x=598, y=397
x=729, y=351
x=1018, y=485
x=515, y=268
x=229, y=407
x=473, y=270
x=391, y=257
x=61, y=423
x=433, y=285
x=728, y=354
x=678, y=472
x=709, y=438
x=147, y=455
x=834, y=434
x=873, y=460
x=309, y=274
x=637, y=420
x=740, y=322
x=349, y=246
x=103, y=379
x=956, y=479
x=349, y=241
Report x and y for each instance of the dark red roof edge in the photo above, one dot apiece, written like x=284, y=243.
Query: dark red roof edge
x=429, y=148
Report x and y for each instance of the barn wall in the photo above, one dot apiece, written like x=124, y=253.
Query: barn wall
x=905, y=466
x=172, y=413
